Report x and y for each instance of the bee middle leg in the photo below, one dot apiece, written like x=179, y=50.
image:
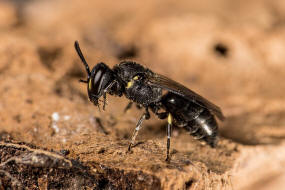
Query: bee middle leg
x=106, y=90
x=145, y=116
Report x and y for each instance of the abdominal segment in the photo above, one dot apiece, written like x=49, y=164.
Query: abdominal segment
x=204, y=127
x=196, y=119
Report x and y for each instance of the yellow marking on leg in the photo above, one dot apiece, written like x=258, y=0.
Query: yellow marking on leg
x=169, y=119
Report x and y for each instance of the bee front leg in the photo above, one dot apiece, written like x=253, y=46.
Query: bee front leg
x=145, y=116
x=106, y=90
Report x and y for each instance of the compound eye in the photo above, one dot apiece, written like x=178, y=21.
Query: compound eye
x=95, y=83
x=97, y=76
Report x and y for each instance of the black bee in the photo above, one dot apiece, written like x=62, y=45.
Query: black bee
x=180, y=105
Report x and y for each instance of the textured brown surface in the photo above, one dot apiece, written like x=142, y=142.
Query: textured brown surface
x=231, y=52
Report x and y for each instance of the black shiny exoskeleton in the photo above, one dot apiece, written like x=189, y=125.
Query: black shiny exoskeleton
x=145, y=88
x=196, y=119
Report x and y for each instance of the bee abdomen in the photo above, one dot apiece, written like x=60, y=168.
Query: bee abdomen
x=204, y=127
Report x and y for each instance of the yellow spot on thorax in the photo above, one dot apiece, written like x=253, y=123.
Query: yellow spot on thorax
x=131, y=83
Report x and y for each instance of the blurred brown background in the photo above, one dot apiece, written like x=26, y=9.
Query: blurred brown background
x=231, y=52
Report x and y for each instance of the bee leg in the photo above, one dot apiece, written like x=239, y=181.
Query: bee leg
x=105, y=100
x=145, y=116
x=106, y=90
x=160, y=115
x=128, y=107
x=169, y=130
x=100, y=125
x=199, y=137
x=193, y=131
x=139, y=106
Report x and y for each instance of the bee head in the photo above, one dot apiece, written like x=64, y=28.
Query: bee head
x=98, y=79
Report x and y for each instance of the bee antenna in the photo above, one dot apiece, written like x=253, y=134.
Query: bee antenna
x=78, y=50
x=83, y=81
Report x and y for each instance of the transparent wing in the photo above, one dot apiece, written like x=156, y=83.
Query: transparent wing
x=177, y=88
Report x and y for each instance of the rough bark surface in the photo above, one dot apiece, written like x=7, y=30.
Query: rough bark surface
x=52, y=137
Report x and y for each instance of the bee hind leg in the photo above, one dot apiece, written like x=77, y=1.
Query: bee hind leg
x=169, y=130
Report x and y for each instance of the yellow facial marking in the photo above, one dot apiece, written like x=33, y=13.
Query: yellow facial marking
x=90, y=85
x=136, y=78
x=169, y=119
